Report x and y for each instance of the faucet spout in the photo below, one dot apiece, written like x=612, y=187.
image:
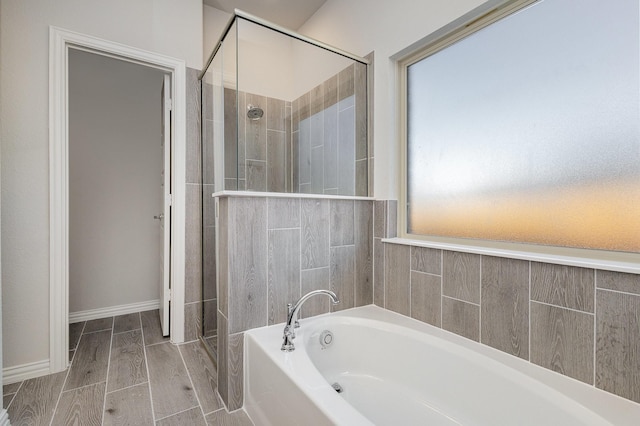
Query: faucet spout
x=292, y=317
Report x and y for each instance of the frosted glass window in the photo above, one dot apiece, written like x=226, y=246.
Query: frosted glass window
x=528, y=130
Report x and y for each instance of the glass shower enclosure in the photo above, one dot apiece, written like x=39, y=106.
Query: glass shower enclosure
x=281, y=113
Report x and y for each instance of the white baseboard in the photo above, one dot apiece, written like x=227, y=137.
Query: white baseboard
x=22, y=372
x=4, y=418
x=112, y=311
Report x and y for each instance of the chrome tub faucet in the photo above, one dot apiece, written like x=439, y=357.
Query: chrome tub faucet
x=292, y=317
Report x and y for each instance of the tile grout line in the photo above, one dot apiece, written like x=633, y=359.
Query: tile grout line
x=175, y=414
x=106, y=382
x=460, y=300
x=564, y=307
x=55, y=408
x=14, y=395
x=195, y=392
x=614, y=291
x=146, y=363
x=127, y=387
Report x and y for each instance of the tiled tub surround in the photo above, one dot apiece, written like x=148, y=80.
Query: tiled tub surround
x=273, y=250
x=579, y=322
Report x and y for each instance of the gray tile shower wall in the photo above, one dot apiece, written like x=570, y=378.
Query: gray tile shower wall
x=329, y=125
x=579, y=322
x=257, y=152
x=273, y=250
x=193, y=212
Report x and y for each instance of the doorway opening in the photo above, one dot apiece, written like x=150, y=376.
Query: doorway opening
x=100, y=196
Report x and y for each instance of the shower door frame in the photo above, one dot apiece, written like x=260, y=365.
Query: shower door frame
x=60, y=41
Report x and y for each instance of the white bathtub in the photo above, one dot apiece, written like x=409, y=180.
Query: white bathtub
x=397, y=371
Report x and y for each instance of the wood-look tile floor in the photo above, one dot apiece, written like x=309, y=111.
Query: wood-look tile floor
x=123, y=372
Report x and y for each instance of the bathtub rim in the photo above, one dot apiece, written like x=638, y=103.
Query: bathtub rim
x=611, y=407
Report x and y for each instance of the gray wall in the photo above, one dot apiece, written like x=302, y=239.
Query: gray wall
x=115, y=163
x=579, y=322
x=272, y=251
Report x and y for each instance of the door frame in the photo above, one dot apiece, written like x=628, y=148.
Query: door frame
x=60, y=41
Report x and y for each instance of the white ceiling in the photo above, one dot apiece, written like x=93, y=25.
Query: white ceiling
x=290, y=14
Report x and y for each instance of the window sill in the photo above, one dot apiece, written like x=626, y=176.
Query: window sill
x=595, y=259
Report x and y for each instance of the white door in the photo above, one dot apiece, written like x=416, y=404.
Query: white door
x=165, y=216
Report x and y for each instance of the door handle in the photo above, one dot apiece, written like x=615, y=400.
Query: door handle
x=159, y=217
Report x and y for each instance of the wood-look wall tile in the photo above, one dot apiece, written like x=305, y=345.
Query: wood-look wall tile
x=203, y=373
x=330, y=131
x=276, y=166
x=317, y=169
x=316, y=100
x=424, y=259
x=360, y=88
x=619, y=281
x=304, y=153
x=618, y=344
x=243, y=134
x=247, y=263
x=315, y=233
x=224, y=418
x=256, y=175
x=364, y=252
x=193, y=244
x=564, y=286
x=343, y=283
x=505, y=305
x=392, y=219
x=461, y=318
x=223, y=255
x=316, y=129
x=346, y=88
x=295, y=162
x=209, y=206
x=128, y=406
x=342, y=222
x=192, y=417
x=193, y=126
x=330, y=87
x=208, y=166
x=346, y=152
x=223, y=359
x=379, y=218
x=170, y=384
x=426, y=292
x=127, y=322
x=36, y=399
x=80, y=406
x=127, y=366
x=91, y=360
x=397, y=265
x=7, y=399
x=256, y=130
x=236, y=371
x=361, y=178
x=562, y=341
x=283, y=213
x=283, y=272
x=230, y=134
x=275, y=113
x=461, y=276
x=192, y=321
x=378, y=272
x=315, y=279
x=209, y=290
x=210, y=318
x=288, y=155
x=151, y=329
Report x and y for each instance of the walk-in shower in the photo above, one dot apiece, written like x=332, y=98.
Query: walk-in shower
x=281, y=113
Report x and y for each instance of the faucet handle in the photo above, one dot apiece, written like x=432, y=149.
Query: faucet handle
x=289, y=310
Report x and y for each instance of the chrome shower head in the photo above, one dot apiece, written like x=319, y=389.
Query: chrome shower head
x=254, y=112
